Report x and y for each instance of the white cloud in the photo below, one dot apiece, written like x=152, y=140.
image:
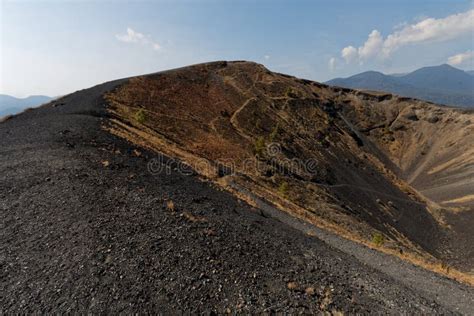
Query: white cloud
x=426, y=30
x=267, y=57
x=332, y=63
x=430, y=30
x=132, y=36
x=372, y=46
x=462, y=58
x=349, y=54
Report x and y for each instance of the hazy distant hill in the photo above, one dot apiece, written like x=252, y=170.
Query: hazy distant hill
x=442, y=84
x=11, y=105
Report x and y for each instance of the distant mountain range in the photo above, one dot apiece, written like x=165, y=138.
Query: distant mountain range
x=439, y=84
x=11, y=105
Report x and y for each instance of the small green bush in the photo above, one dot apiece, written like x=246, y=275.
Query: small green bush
x=324, y=142
x=274, y=133
x=259, y=147
x=386, y=130
x=283, y=189
x=291, y=93
x=140, y=116
x=378, y=239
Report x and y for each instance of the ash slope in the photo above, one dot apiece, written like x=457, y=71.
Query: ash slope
x=372, y=154
x=79, y=234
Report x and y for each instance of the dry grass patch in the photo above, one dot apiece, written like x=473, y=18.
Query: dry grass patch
x=193, y=218
x=170, y=206
x=327, y=299
x=137, y=153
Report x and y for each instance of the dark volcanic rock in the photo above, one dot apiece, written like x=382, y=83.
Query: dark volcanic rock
x=86, y=228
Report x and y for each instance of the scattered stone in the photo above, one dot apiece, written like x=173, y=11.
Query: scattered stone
x=310, y=291
x=292, y=286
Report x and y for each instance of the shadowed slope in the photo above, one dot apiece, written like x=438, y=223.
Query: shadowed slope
x=433, y=149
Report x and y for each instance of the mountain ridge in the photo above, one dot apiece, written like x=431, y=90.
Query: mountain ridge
x=442, y=84
x=12, y=105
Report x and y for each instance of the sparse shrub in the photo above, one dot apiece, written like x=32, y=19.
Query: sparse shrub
x=378, y=239
x=386, y=130
x=224, y=113
x=322, y=136
x=319, y=136
x=140, y=116
x=291, y=92
x=324, y=142
x=274, y=133
x=259, y=146
x=446, y=267
x=193, y=218
x=283, y=189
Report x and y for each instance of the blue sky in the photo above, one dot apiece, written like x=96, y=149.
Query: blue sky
x=58, y=47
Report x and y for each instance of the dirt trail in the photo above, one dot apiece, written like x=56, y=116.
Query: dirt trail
x=234, y=122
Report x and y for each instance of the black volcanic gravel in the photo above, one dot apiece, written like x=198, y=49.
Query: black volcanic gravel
x=78, y=235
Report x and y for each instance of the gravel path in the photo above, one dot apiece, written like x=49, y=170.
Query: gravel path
x=445, y=291
x=85, y=228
